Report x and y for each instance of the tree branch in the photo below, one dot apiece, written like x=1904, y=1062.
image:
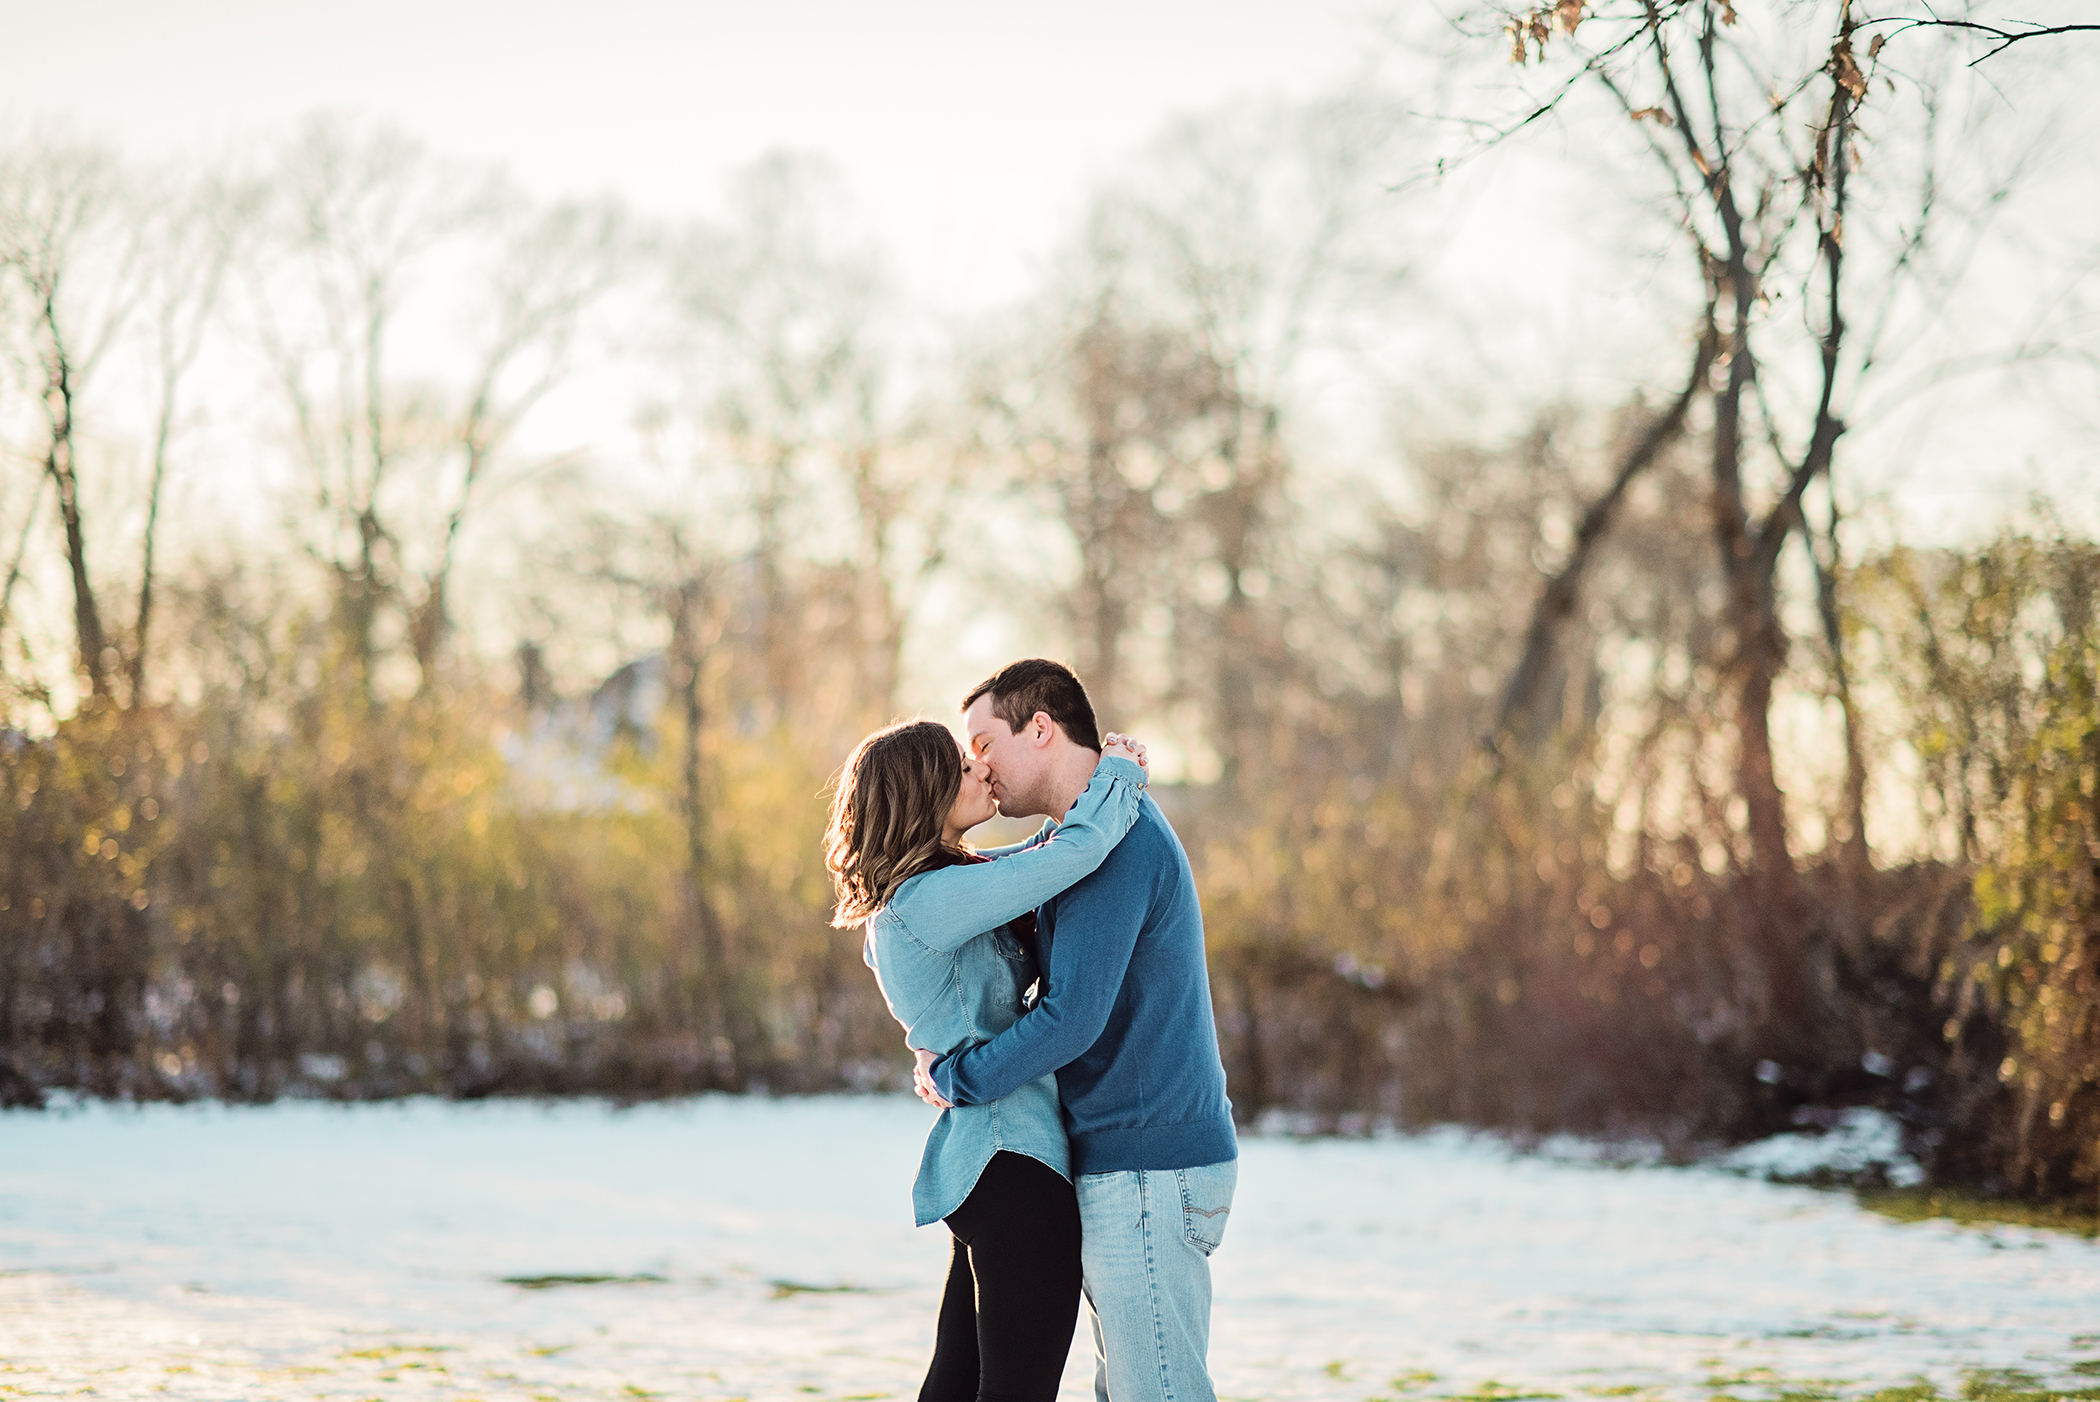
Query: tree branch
x=2006, y=37
x=14, y=568
x=1556, y=601
x=1786, y=513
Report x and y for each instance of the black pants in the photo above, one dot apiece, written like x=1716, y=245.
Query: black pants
x=1013, y=1288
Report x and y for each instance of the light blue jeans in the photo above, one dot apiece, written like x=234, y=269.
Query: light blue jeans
x=1145, y=1241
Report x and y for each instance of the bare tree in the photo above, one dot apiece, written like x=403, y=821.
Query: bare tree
x=367, y=224
x=1741, y=201
x=1175, y=348
x=663, y=566
x=791, y=371
x=1098, y=418
x=68, y=245
x=550, y=271
x=196, y=234
x=1268, y=237
x=1754, y=127
x=358, y=219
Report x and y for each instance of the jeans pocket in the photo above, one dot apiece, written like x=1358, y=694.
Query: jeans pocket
x=1206, y=1203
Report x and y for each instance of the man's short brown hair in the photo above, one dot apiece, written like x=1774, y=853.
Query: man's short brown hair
x=1020, y=689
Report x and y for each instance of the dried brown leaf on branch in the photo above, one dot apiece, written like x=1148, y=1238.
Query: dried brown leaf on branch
x=1652, y=114
x=1519, y=53
x=1846, y=72
x=1530, y=30
x=1727, y=12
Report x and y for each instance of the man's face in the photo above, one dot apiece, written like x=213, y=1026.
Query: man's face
x=1016, y=766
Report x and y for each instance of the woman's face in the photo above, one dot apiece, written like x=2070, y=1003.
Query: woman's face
x=974, y=803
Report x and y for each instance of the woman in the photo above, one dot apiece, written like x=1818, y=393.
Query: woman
x=950, y=935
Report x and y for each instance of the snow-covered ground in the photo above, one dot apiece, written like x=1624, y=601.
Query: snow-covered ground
x=306, y=1251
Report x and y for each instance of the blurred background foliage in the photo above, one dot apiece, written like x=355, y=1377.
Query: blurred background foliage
x=469, y=734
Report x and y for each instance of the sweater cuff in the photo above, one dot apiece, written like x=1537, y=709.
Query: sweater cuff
x=1125, y=769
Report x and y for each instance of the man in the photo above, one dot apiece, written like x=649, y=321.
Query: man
x=1125, y=1021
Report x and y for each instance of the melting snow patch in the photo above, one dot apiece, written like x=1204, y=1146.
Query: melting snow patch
x=1622, y=1151
x=1859, y=1145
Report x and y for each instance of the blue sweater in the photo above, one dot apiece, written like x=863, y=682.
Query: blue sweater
x=1125, y=1018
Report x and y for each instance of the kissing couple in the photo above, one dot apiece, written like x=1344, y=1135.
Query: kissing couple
x=1055, y=995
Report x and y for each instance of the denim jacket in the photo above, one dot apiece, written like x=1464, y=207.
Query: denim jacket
x=955, y=976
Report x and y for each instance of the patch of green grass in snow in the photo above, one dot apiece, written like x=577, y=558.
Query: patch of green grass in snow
x=1975, y=1210
x=1753, y=1376
x=782, y=1289
x=1493, y=1391
x=2018, y=1385
x=555, y=1282
x=384, y=1352
x=1920, y=1391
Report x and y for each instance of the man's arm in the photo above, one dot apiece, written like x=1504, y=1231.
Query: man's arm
x=1098, y=921
x=1042, y=835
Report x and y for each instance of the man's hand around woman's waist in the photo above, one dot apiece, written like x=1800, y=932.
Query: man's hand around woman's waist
x=922, y=1078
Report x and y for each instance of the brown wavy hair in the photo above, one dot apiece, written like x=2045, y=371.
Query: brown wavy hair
x=888, y=813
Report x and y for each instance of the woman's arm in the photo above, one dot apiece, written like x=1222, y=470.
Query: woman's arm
x=946, y=909
x=1112, y=744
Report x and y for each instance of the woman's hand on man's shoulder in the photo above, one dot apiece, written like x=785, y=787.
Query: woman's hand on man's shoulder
x=1114, y=746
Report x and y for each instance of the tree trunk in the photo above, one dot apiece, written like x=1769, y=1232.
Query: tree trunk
x=1101, y=630
x=884, y=615
x=1236, y=513
x=1096, y=516
x=359, y=590
x=777, y=640
x=711, y=962
x=1762, y=652
x=59, y=467
x=1853, y=856
x=142, y=630
x=1777, y=913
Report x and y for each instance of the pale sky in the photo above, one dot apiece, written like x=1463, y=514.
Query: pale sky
x=969, y=133
x=966, y=128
